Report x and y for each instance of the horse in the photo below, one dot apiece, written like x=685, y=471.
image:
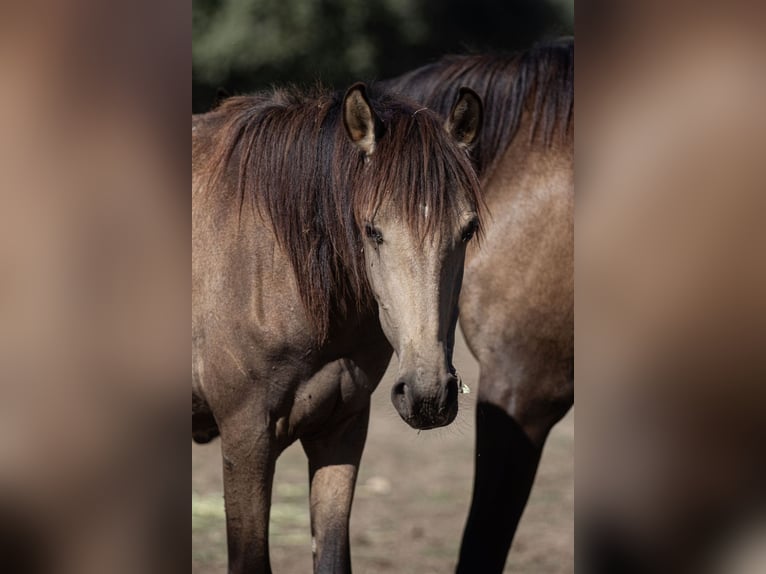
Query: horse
x=517, y=301
x=329, y=230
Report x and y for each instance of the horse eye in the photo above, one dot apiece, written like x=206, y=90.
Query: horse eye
x=373, y=233
x=470, y=231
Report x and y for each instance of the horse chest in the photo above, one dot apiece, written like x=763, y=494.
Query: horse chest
x=336, y=391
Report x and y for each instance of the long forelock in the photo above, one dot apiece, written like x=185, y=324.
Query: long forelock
x=286, y=157
x=422, y=171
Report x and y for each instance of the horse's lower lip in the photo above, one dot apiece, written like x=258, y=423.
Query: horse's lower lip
x=418, y=424
x=428, y=427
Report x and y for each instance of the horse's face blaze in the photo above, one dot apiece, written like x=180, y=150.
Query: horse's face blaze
x=416, y=281
x=415, y=238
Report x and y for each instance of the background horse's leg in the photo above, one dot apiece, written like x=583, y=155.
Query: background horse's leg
x=333, y=464
x=249, y=456
x=510, y=435
x=505, y=465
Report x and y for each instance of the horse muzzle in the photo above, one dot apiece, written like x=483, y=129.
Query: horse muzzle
x=424, y=405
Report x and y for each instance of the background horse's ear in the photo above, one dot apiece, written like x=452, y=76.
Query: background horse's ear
x=465, y=119
x=359, y=119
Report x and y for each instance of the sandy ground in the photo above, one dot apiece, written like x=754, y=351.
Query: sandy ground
x=411, y=500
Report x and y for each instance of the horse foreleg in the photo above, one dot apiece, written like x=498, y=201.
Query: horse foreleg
x=505, y=465
x=333, y=464
x=249, y=456
x=512, y=424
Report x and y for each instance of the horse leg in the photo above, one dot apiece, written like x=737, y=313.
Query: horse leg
x=509, y=439
x=505, y=464
x=249, y=456
x=333, y=464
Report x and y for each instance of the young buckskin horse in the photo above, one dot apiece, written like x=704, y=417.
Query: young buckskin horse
x=517, y=302
x=327, y=230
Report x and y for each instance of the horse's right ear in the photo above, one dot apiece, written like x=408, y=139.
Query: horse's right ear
x=359, y=119
x=466, y=117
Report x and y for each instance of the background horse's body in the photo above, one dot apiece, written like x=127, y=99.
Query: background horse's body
x=287, y=335
x=517, y=303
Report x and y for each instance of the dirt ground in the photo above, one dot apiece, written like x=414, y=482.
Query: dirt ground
x=411, y=500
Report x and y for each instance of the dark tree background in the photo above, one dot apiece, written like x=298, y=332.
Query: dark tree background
x=244, y=45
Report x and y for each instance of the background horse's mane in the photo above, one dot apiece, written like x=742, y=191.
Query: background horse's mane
x=287, y=155
x=539, y=80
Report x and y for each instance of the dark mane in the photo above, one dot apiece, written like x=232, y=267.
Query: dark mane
x=539, y=80
x=287, y=155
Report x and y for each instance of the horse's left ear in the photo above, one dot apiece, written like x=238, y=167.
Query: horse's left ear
x=465, y=119
x=362, y=125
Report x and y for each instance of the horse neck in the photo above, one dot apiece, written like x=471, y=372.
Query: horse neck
x=530, y=188
x=525, y=167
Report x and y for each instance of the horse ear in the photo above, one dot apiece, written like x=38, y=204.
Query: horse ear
x=359, y=119
x=465, y=119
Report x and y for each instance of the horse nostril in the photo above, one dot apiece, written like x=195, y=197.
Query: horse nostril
x=400, y=389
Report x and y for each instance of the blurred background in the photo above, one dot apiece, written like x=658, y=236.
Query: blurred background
x=243, y=45
x=414, y=488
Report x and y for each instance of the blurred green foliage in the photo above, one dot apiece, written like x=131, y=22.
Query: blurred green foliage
x=242, y=45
